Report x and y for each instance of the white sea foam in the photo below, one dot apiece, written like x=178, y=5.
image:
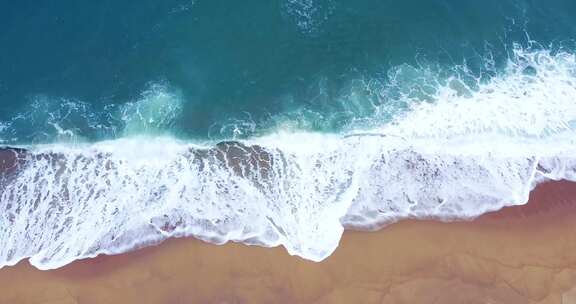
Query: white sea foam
x=455, y=158
x=535, y=97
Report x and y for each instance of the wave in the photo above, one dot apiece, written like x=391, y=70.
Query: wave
x=467, y=152
x=50, y=119
x=61, y=203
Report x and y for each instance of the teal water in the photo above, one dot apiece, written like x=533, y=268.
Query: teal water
x=335, y=114
x=217, y=69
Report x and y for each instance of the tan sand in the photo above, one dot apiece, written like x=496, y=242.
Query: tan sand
x=518, y=255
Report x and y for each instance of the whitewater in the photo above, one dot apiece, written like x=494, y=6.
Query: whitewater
x=472, y=149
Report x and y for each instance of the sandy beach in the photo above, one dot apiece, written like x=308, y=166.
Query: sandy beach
x=523, y=254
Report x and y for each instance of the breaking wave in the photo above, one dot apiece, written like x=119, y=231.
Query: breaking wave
x=455, y=152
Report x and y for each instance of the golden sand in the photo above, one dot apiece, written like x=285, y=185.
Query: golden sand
x=517, y=255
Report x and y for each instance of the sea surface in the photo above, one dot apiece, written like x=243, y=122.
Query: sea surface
x=279, y=122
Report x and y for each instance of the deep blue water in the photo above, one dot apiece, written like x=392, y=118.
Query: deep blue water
x=215, y=69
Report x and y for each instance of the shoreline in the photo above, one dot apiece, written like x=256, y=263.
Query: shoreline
x=521, y=254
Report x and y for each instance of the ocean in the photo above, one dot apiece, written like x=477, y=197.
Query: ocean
x=273, y=123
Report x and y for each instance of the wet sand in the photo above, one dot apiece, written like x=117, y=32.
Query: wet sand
x=521, y=254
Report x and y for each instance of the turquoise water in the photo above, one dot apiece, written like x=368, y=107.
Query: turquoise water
x=218, y=69
x=273, y=123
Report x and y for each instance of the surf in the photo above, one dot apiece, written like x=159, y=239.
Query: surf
x=468, y=148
